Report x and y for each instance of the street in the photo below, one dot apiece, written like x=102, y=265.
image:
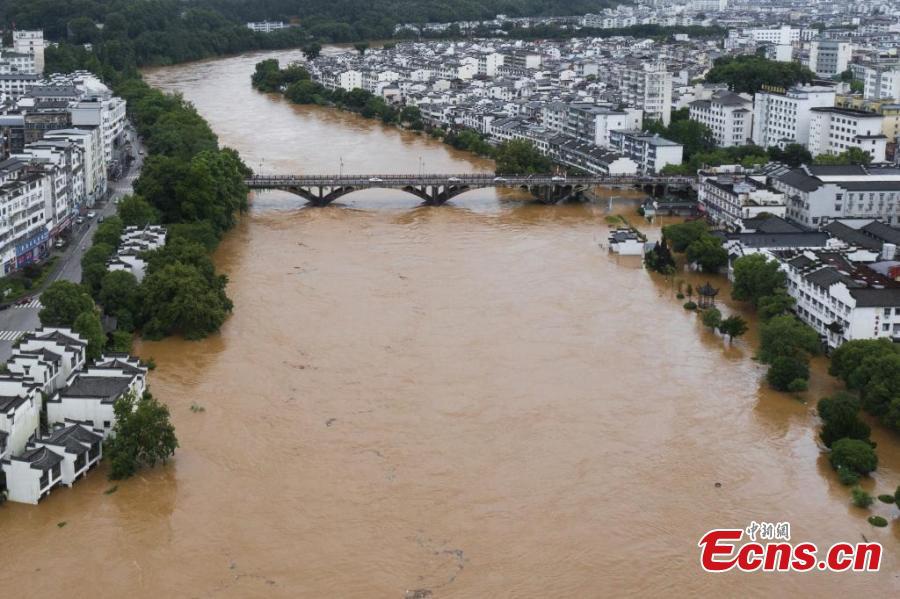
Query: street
x=17, y=320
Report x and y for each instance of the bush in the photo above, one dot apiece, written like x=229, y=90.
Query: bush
x=679, y=295
x=712, y=318
x=886, y=498
x=690, y=306
x=853, y=454
x=877, y=521
x=840, y=414
x=143, y=435
x=860, y=498
x=798, y=386
x=785, y=370
x=847, y=476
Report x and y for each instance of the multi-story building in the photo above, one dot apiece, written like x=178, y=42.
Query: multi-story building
x=841, y=299
x=781, y=117
x=651, y=152
x=817, y=195
x=728, y=115
x=106, y=112
x=828, y=58
x=267, y=26
x=93, y=159
x=26, y=197
x=729, y=200
x=30, y=42
x=589, y=123
x=882, y=82
x=835, y=130
x=648, y=87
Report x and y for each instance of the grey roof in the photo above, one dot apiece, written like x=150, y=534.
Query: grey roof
x=882, y=231
x=8, y=403
x=875, y=298
x=798, y=179
x=828, y=276
x=40, y=458
x=801, y=239
x=108, y=388
x=73, y=438
x=770, y=224
x=852, y=236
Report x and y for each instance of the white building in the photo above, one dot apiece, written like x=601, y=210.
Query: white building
x=106, y=112
x=652, y=153
x=89, y=395
x=30, y=42
x=728, y=115
x=90, y=140
x=778, y=35
x=882, y=82
x=835, y=130
x=842, y=300
x=20, y=413
x=828, y=58
x=267, y=26
x=59, y=345
x=31, y=475
x=26, y=199
x=781, y=118
x=818, y=195
x=80, y=446
x=132, y=246
x=730, y=200
x=648, y=87
x=588, y=122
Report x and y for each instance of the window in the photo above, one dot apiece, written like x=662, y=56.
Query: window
x=106, y=424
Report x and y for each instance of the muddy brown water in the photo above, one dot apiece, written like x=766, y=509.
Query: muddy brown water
x=468, y=401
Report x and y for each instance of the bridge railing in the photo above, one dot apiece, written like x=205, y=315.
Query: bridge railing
x=486, y=179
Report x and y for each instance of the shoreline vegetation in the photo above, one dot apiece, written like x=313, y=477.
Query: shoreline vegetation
x=869, y=369
x=295, y=84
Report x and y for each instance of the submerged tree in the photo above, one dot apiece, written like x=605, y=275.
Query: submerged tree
x=142, y=436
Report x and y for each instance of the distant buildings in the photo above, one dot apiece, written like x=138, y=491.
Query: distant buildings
x=732, y=199
x=652, y=153
x=835, y=130
x=30, y=43
x=828, y=58
x=267, y=26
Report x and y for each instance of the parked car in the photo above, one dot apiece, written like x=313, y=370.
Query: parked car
x=374, y=180
x=91, y=214
x=23, y=301
x=5, y=306
x=100, y=220
x=558, y=178
x=59, y=244
x=79, y=220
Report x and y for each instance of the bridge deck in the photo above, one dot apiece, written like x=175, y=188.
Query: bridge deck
x=467, y=179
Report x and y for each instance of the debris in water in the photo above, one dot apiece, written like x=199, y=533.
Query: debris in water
x=61, y=524
x=330, y=421
x=418, y=594
x=718, y=485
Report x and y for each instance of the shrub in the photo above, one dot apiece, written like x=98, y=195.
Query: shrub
x=785, y=370
x=798, y=386
x=690, y=305
x=886, y=498
x=847, y=476
x=840, y=415
x=712, y=318
x=877, y=521
x=680, y=295
x=860, y=498
x=854, y=454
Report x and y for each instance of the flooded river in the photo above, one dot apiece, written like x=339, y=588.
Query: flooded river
x=467, y=401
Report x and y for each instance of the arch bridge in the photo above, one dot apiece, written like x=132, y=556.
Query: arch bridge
x=436, y=189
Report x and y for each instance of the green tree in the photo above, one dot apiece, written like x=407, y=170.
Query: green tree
x=135, y=211
x=361, y=47
x=142, y=436
x=793, y=155
x=840, y=415
x=109, y=231
x=120, y=342
x=312, y=50
x=777, y=304
x=88, y=325
x=750, y=73
x=785, y=370
x=707, y=251
x=93, y=266
x=693, y=135
x=521, y=157
x=712, y=318
x=785, y=336
x=854, y=455
x=755, y=277
x=119, y=296
x=733, y=326
x=179, y=299
x=848, y=157
x=681, y=235
x=62, y=302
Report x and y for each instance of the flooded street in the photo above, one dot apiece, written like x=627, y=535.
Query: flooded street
x=473, y=400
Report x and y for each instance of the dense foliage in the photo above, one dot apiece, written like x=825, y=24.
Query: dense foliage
x=62, y=302
x=750, y=73
x=521, y=157
x=871, y=368
x=845, y=158
x=785, y=345
x=761, y=282
x=141, y=437
x=699, y=245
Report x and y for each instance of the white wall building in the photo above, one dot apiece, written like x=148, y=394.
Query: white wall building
x=267, y=26
x=882, y=82
x=31, y=475
x=818, y=195
x=835, y=130
x=730, y=200
x=106, y=112
x=20, y=413
x=80, y=446
x=828, y=58
x=648, y=87
x=728, y=115
x=30, y=42
x=781, y=118
x=652, y=153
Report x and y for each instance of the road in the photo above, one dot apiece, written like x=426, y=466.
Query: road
x=20, y=319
